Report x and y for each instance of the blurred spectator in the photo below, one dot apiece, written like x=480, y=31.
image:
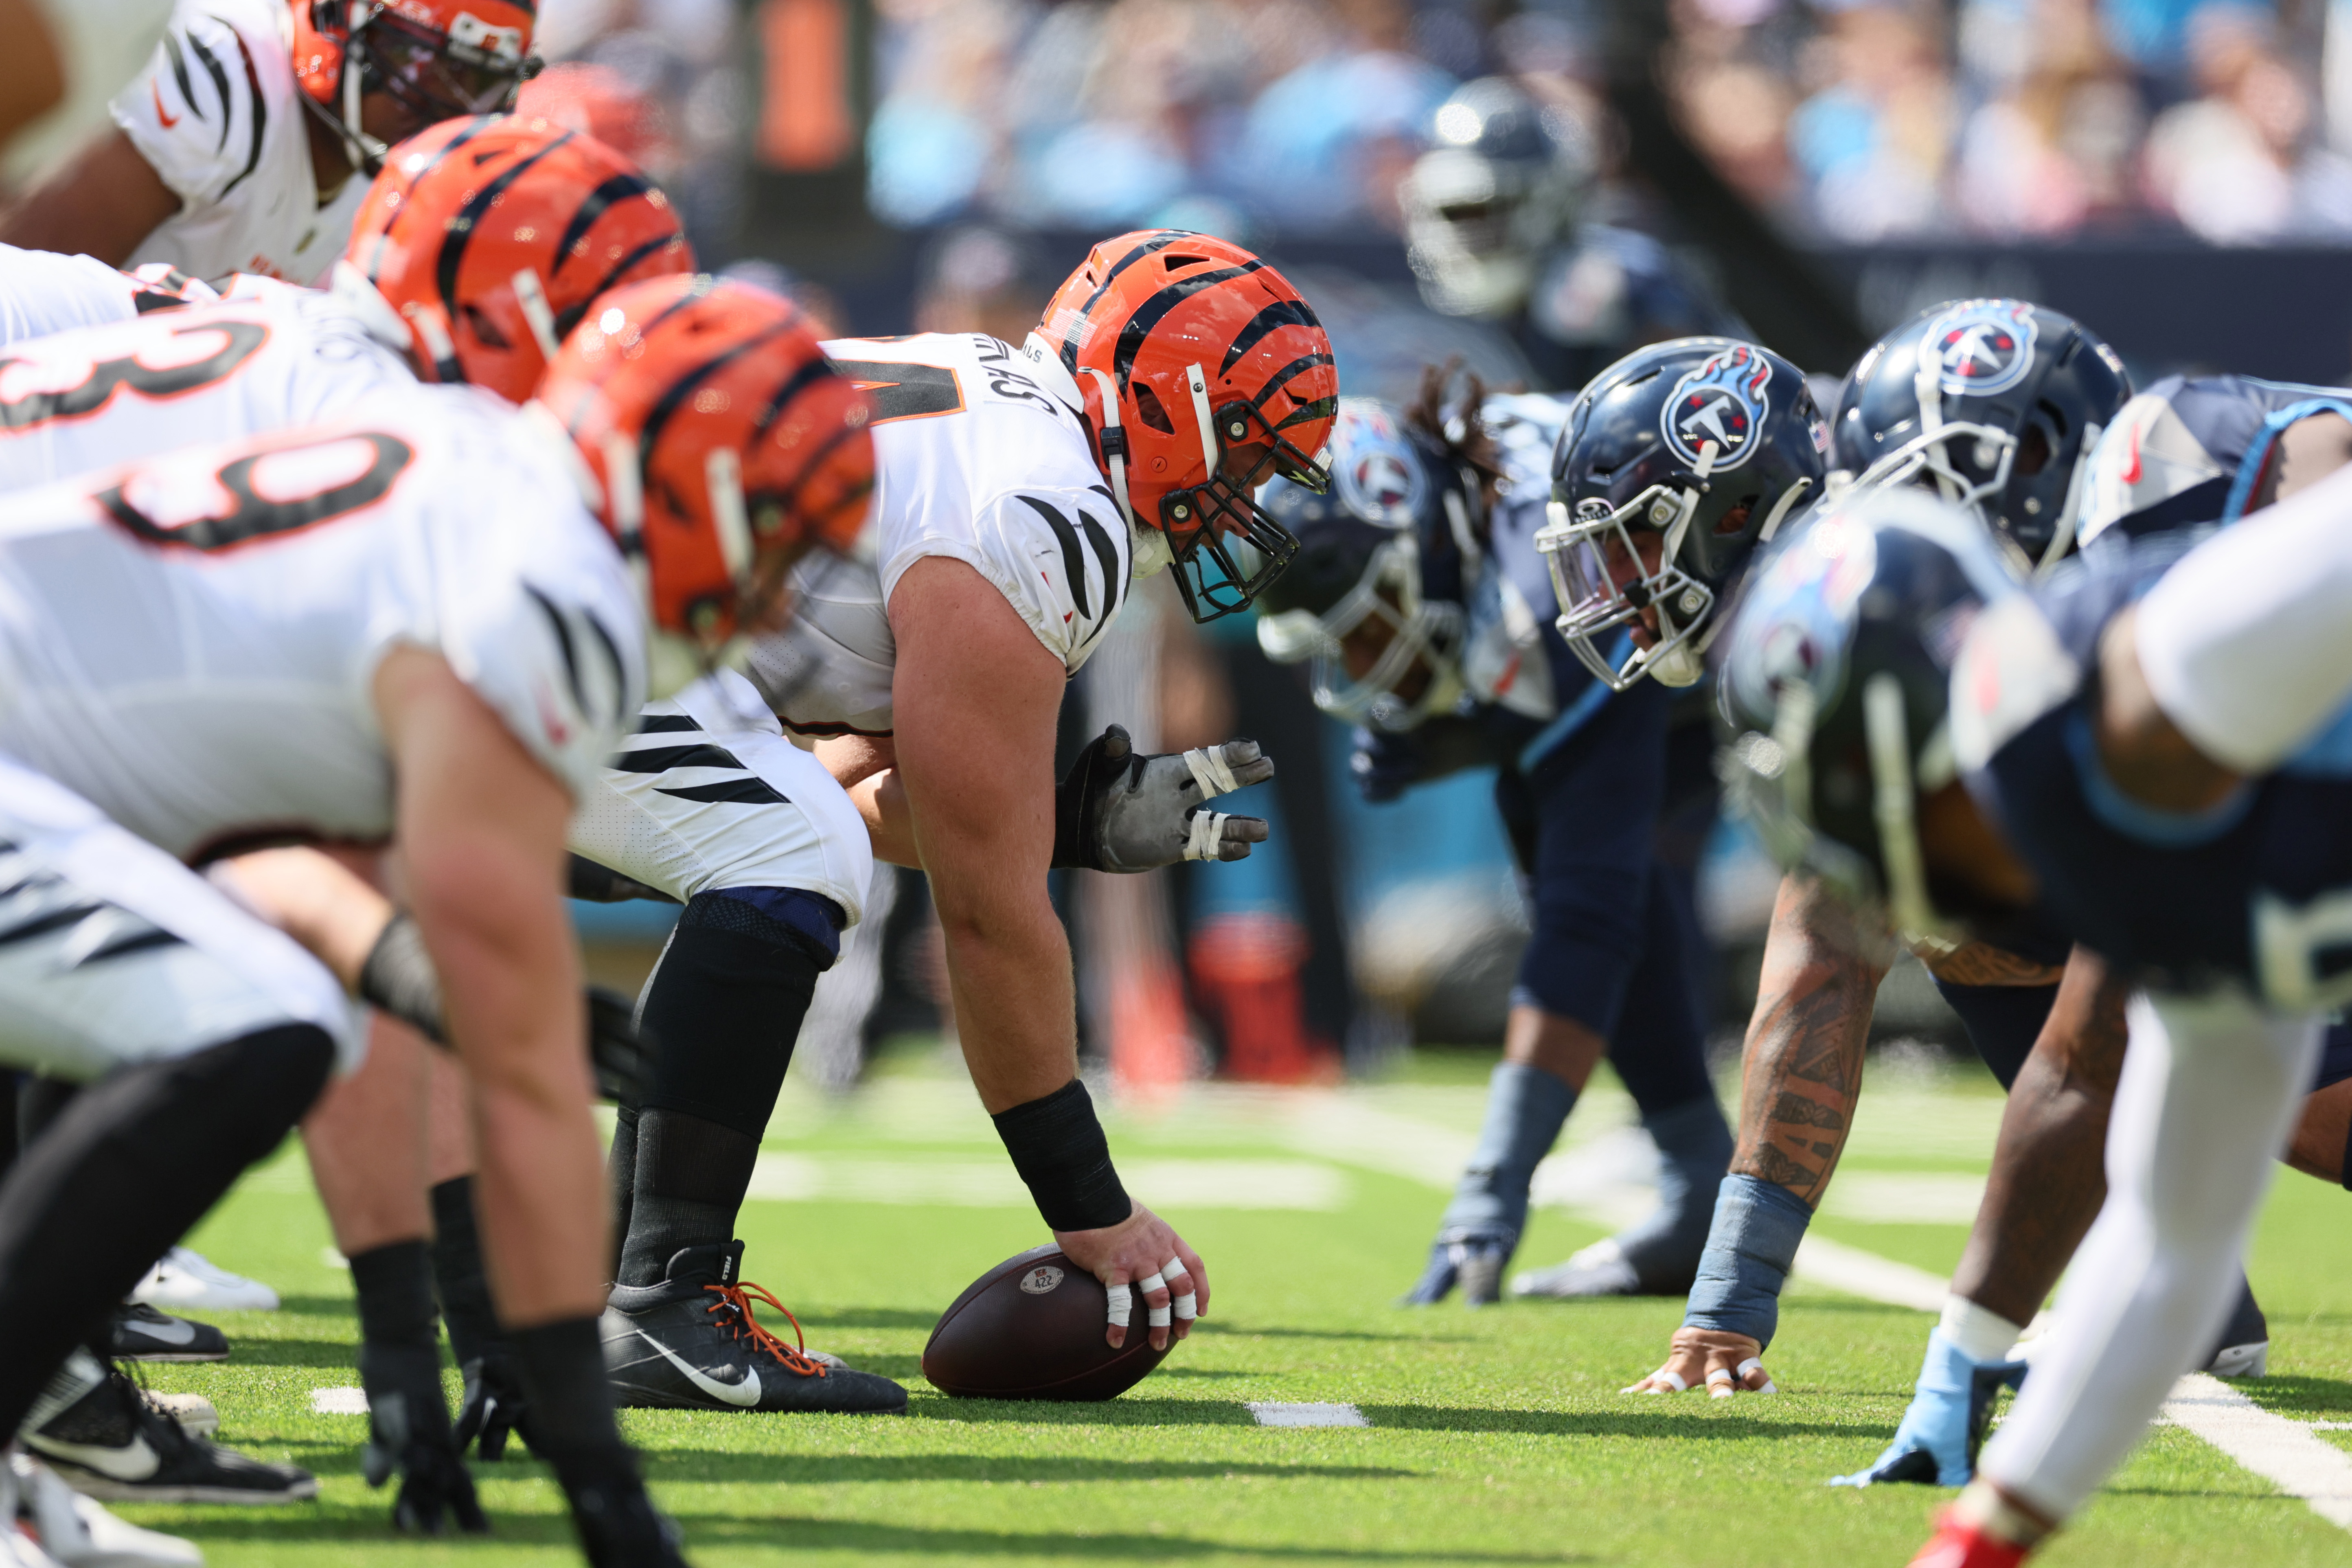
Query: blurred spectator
x=979, y=279
x=2238, y=164
x=1875, y=134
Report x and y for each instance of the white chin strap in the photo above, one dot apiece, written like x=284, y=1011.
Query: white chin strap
x=533, y=300
x=365, y=152
x=1114, y=441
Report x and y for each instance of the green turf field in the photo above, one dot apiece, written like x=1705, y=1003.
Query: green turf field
x=1495, y=1436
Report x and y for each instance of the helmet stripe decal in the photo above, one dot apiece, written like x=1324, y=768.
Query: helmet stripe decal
x=1281, y=313
x=569, y=317
x=1085, y=311
x=816, y=462
x=1150, y=314
x=801, y=379
x=460, y=232
x=619, y=188
x=1290, y=372
x=658, y=416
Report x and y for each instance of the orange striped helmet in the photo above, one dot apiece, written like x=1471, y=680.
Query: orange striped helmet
x=726, y=446
x=435, y=58
x=1205, y=374
x=493, y=236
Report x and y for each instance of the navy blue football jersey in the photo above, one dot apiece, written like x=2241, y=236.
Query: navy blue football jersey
x=2192, y=450
x=2257, y=891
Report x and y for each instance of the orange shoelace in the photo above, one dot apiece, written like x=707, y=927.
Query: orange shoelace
x=737, y=1297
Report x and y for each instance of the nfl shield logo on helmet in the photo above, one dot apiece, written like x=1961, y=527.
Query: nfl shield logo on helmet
x=1722, y=401
x=1980, y=346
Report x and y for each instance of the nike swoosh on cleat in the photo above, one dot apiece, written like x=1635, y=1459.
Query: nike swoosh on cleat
x=171, y=1330
x=169, y=119
x=743, y=1395
x=134, y=1463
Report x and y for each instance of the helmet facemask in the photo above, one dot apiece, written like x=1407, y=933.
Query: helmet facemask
x=434, y=76
x=1420, y=634
x=1594, y=606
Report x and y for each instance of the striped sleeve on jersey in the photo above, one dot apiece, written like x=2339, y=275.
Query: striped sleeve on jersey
x=1068, y=551
x=198, y=114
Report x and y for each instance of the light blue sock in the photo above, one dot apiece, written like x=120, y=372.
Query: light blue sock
x=1694, y=1153
x=1525, y=1107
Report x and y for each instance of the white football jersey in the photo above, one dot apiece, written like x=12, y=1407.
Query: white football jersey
x=188, y=642
x=979, y=453
x=267, y=357
x=218, y=115
x=43, y=292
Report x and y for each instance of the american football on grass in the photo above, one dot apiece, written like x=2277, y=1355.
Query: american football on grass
x=1031, y=1327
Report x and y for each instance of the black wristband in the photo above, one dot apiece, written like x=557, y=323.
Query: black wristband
x=399, y=978
x=1058, y=1145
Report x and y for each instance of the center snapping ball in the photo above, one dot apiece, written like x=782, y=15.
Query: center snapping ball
x=1031, y=1327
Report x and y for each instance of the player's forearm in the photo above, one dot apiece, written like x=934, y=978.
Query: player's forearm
x=2049, y=1172
x=103, y=204
x=1009, y=969
x=1802, y=1067
x=881, y=801
x=318, y=901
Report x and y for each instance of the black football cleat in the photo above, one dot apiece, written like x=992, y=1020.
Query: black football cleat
x=109, y=1442
x=691, y=1343
x=143, y=1333
x=2244, y=1348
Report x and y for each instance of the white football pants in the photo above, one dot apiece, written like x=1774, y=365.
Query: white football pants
x=2209, y=1091
x=707, y=794
x=112, y=952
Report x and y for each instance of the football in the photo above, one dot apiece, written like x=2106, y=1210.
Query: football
x=1031, y=1327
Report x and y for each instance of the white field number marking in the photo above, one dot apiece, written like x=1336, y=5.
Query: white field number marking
x=1273, y=1413
x=339, y=1401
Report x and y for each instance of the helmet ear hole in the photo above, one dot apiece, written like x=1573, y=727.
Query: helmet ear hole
x=1147, y=409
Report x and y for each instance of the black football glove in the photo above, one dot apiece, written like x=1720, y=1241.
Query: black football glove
x=1118, y=811
x=495, y=1408
x=624, y=1067
x=408, y=1435
x=619, y=1526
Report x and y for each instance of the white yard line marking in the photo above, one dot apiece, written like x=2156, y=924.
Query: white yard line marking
x=1174, y=1184
x=2282, y=1452
x=1865, y=1274
x=1273, y=1413
x=339, y=1401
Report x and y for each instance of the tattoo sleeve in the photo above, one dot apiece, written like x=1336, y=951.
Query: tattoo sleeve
x=1802, y=1067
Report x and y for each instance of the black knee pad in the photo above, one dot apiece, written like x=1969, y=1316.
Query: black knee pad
x=723, y=1009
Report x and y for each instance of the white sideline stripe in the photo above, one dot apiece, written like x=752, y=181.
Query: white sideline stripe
x=339, y=1401
x=1822, y=1261
x=2282, y=1452
x=1273, y=1413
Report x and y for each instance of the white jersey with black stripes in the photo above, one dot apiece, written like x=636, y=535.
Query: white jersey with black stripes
x=268, y=356
x=43, y=292
x=188, y=643
x=218, y=115
x=980, y=455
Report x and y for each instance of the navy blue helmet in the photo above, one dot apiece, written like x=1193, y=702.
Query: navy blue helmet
x=1994, y=404
x=1698, y=449
x=1834, y=680
x=1361, y=559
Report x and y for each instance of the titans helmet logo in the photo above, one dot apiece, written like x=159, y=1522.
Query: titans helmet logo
x=1980, y=346
x=1722, y=401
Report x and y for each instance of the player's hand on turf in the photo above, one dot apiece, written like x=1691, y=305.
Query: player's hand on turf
x=1143, y=1252
x=409, y=1435
x=494, y=1408
x=1724, y=1364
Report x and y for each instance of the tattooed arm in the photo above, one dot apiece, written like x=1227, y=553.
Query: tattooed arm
x=2048, y=1172
x=1803, y=1067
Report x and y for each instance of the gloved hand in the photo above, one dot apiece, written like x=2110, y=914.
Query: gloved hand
x=1950, y=1407
x=623, y=1065
x=1385, y=764
x=408, y=1433
x=494, y=1408
x=619, y=1526
x=1118, y=811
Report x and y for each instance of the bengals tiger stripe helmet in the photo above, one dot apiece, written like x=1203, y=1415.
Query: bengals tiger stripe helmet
x=724, y=447
x=435, y=58
x=493, y=236
x=1205, y=374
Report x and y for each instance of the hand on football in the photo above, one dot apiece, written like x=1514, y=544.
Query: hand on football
x=1723, y=1364
x=1140, y=1249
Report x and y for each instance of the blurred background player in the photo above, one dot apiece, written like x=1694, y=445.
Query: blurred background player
x=1498, y=225
x=236, y=150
